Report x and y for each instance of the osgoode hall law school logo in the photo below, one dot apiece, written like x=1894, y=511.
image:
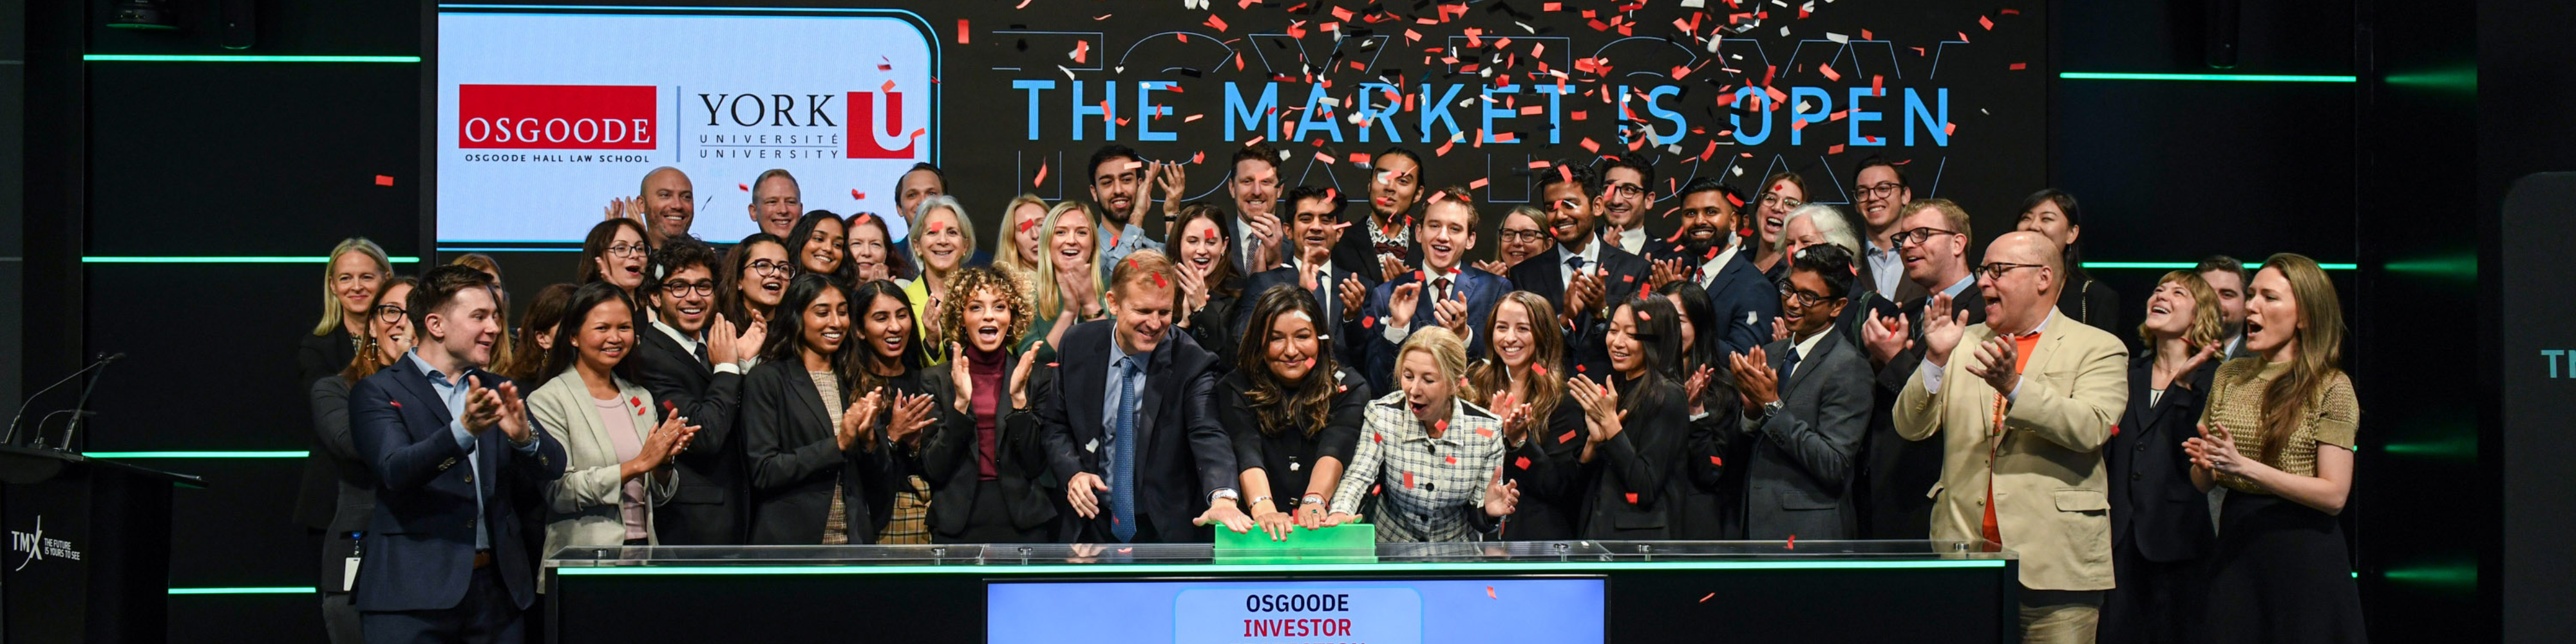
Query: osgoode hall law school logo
x=545, y=117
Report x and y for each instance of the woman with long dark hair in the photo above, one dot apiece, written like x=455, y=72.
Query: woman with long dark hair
x=819, y=245
x=871, y=251
x=817, y=465
x=2278, y=433
x=984, y=460
x=615, y=252
x=1293, y=411
x=1210, y=285
x=618, y=444
x=1521, y=340
x=1639, y=425
x=2052, y=213
x=755, y=277
x=887, y=363
x=1708, y=493
x=385, y=336
x=536, y=336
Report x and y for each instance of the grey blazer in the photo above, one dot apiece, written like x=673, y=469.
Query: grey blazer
x=1798, y=473
x=582, y=508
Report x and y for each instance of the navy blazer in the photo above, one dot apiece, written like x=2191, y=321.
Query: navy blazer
x=1544, y=275
x=1480, y=289
x=710, y=509
x=1745, y=299
x=419, y=547
x=1186, y=454
x=2154, y=506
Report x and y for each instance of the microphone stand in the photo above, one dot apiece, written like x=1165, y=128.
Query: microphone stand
x=10, y=438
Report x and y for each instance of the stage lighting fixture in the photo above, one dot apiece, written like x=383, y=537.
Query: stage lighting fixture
x=144, y=14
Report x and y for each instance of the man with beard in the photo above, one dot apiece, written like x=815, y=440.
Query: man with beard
x=1933, y=240
x=776, y=202
x=1745, y=301
x=1583, y=274
x=1880, y=196
x=1120, y=182
x=1627, y=192
x=664, y=202
x=1389, y=248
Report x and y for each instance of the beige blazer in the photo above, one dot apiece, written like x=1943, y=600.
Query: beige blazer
x=582, y=507
x=2052, y=497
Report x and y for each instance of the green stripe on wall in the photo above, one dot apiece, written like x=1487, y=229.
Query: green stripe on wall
x=198, y=454
x=2184, y=266
x=164, y=58
x=246, y=590
x=233, y=259
x=1198, y=569
x=2253, y=78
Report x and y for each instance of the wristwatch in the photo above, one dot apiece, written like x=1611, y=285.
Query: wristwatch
x=1770, y=408
x=1223, y=494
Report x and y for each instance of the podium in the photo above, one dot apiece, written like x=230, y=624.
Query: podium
x=88, y=556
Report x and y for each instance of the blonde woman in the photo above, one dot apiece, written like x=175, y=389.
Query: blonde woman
x=1068, y=293
x=1436, y=456
x=941, y=247
x=1023, y=242
x=358, y=268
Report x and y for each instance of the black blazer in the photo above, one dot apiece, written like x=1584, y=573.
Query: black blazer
x=1288, y=460
x=1212, y=326
x=1630, y=476
x=318, y=357
x=356, y=484
x=2154, y=507
x=1738, y=289
x=950, y=453
x=2092, y=302
x=1897, y=475
x=793, y=459
x=1356, y=251
x=420, y=538
x=1344, y=332
x=709, y=509
x=1545, y=276
x=1712, y=487
x=1185, y=453
x=1547, y=463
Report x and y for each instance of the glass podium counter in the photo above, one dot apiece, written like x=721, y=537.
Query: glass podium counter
x=1559, y=592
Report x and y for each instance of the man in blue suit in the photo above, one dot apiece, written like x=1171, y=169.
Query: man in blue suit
x=1439, y=291
x=1710, y=253
x=444, y=559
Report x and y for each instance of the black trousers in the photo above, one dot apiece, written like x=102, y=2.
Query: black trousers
x=486, y=616
x=2154, y=601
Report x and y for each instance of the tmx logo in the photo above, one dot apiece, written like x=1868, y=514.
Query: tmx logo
x=880, y=114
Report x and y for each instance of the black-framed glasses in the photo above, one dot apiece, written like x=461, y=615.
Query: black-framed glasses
x=1627, y=189
x=1882, y=189
x=768, y=268
x=1793, y=296
x=703, y=288
x=1996, y=270
x=1511, y=236
x=1774, y=199
x=1906, y=238
x=629, y=250
x=390, y=314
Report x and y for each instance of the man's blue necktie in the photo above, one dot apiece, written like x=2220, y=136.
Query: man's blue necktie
x=1122, y=457
x=1788, y=365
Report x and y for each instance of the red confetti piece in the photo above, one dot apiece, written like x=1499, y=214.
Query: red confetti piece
x=1158, y=281
x=1983, y=21
x=670, y=406
x=1534, y=165
x=2115, y=430
x=1704, y=599
x=1632, y=498
x=1828, y=71
x=1369, y=322
x=636, y=401
x=1567, y=438
x=961, y=31
x=396, y=403
x=1480, y=431
x=1489, y=592
x=1717, y=461
x=855, y=194
x=2020, y=65
x=744, y=186
x=1408, y=480
x=1442, y=425
x=888, y=87
x=1578, y=368
x=384, y=180
x=1793, y=542
x=1522, y=462
x=1041, y=180
x=1201, y=156
x=1216, y=23
x=1122, y=550
x=1380, y=437
x=1051, y=365
x=1025, y=224
x=1453, y=460
x=1539, y=369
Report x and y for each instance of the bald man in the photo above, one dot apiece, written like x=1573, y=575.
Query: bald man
x=2022, y=403
x=664, y=202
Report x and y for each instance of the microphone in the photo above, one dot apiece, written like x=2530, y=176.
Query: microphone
x=11, y=437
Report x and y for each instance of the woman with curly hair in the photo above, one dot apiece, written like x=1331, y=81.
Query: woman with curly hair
x=983, y=458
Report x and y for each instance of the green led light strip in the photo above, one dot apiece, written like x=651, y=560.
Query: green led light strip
x=246, y=590
x=1201, y=569
x=162, y=58
x=239, y=259
x=2255, y=78
x=209, y=454
x=2184, y=266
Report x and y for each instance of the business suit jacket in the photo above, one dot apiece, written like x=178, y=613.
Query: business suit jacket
x=2090, y=301
x=1480, y=290
x=320, y=358
x=355, y=482
x=1712, y=493
x=1798, y=471
x=1633, y=492
x=1184, y=454
x=794, y=460
x=709, y=509
x=1545, y=276
x=1897, y=474
x=2051, y=493
x=1342, y=330
x=2154, y=506
x=1357, y=251
x=420, y=539
x=1212, y=326
x=1745, y=300
x=950, y=451
x=586, y=506
x=1547, y=464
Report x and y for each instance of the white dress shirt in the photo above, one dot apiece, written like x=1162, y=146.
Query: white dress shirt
x=690, y=346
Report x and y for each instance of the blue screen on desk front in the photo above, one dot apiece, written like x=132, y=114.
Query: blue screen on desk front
x=1552, y=610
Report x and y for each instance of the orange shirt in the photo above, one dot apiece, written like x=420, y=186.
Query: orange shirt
x=2021, y=349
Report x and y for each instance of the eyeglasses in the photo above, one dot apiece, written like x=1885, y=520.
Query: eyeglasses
x=1883, y=189
x=1627, y=189
x=702, y=287
x=1511, y=236
x=768, y=268
x=1996, y=270
x=1774, y=199
x=1916, y=236
x=390, y=314
x=629, y=250
x=1790, y=295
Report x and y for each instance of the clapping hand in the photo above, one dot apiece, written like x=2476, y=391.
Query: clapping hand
x=1502, y=498
x=1494, y=266
x=1941, y=331
x=912, y=413
x=1354, y=296
x=858, y=423
x=1600, y=406
x=1756, y=384
x=1696, y=385
x=2215, y=450
x=1885, y=337
x=1400, y=302
x=1998, y=363
x=1020, y=375
x=1668, y=271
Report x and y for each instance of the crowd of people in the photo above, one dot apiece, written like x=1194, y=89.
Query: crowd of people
x=1774, y=370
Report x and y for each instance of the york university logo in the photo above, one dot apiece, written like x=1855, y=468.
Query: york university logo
x=36, y=547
